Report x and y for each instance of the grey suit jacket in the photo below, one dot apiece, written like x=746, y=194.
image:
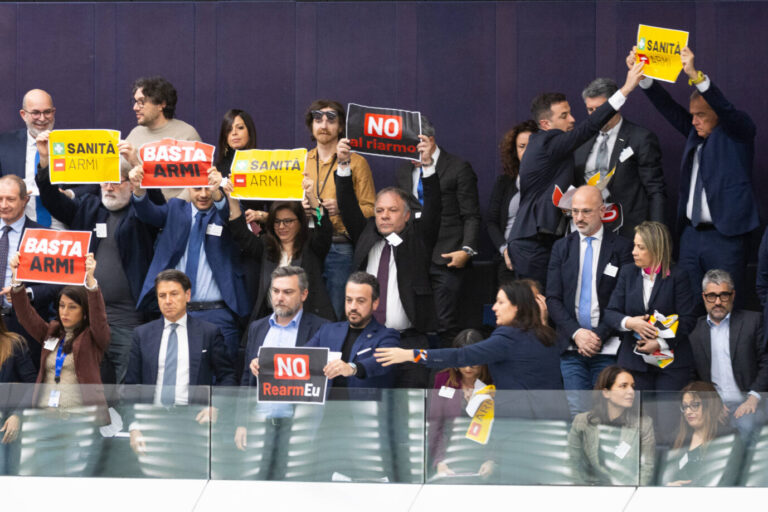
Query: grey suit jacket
x=747, y=345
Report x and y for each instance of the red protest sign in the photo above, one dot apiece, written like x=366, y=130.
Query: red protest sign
x=176, y=163
x=49, y=256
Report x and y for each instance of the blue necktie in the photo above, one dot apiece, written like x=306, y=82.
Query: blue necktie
x=698, y=188
x=168, y=394
x=43, y=215
x=196, y=236
x=420, y=187
x=585, y=294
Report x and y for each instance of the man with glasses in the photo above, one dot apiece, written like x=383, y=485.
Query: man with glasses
x=729, y=351
x=325, y=119
x=154, y=103
x=581, y=277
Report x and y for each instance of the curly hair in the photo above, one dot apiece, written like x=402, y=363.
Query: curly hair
x=510, y=164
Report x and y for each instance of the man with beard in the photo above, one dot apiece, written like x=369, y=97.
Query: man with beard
x=121, y=243
x=288, y=326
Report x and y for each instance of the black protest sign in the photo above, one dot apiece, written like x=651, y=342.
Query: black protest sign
x=383, y=131
x=292, y=375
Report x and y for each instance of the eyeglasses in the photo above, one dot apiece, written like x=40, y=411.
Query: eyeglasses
x=585, y=212
x=140, y=102
x=41, y=113
x=285, y=222
x=723, y=296
x=330, y=115
x=693, y=406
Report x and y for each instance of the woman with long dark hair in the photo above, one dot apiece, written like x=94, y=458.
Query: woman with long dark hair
x=520, y=353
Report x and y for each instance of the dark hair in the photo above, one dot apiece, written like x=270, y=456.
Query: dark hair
x=79, y=296
x=600, y=88
x=463, y=339
x=605, y=381
x=321, y=104
x=8, y=342
x=360, y=277
x=712, y=412
x=270, y=237
x=510, y=164
x=177, y=276
x=227, y=121
x=528, y=317
x=541, y=106
x=291, y=270
x=427, y=128
x=159, y=90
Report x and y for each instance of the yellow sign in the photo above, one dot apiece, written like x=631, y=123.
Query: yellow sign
x=660, y=49
x=84, y=156
x=268, y=174
x=479, y=429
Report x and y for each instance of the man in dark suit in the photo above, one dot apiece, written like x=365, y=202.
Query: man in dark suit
x=637, y=185
x=716, y=207
x=174, y=354
x=196, y=240
x=548, y=162
x=729, y=350
x=581, y=277
x=288, y=326
x=397, y=249
x=13, y=223
x=457, y=239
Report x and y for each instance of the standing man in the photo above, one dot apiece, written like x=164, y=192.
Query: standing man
x=637, y=185
x=548, y=162
x=195, y=239
x=154, y=103
x=459, y=227
x=397, y=249
x=716, y=207
x=581, y=277
x=325, y=120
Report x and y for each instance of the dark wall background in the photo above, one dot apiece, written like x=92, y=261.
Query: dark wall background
x=472, y=67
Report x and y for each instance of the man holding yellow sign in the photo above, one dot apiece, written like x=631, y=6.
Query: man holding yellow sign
x=84, y=156
x=716, y=208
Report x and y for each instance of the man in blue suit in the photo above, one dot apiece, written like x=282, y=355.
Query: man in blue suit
x=581, y=277
x=716, y=207
x=195, y=240
x=171, y=355
x=288, y=326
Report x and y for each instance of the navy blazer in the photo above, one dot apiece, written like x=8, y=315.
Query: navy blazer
x=548, y=161
x=563, y=276
x=515, y=358
x=257, y=331
x=223, y=255
x=725, y=163
x=374, y=335
x=669, y=296
x=13, y=153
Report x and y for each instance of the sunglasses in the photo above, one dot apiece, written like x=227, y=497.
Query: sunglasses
x=330, y=115
x=723, y=296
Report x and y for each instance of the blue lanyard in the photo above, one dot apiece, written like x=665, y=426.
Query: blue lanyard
x=60, y=356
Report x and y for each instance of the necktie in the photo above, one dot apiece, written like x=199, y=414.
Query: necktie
x=601, y=162
x=585, y=294
x=698, y=189
x=196, y=236
x=43, y=215
x=168, y=394
x=3, y=254
x=383, y=276
x=420, y=187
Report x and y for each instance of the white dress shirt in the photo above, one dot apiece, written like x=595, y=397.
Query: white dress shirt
x=182, y=362
x=396, y=317
x=613, y=134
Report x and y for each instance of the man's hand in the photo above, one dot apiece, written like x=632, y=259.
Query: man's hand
x=41, y=141
x=631, y=57
x=10, y=429
x=634, y=76
x=257, y=216
x=138, y=445
x=507, y=261
x=343, y=150
x=686, y=56
x=330, y=205
x=7, y=292
x=748, y=407
x=128, y=151
x=254, y=366
x=207, y=415
x=241, y=438
x=588, y=342
x=426, y=147
x=14, y=264
x=136, y=176
x=458, y=258
x=392, y=355
x=214, y=183
x=338, y=368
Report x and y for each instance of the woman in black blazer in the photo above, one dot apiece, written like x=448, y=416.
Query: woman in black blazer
x=505, y=196
x=649, y=285
x=15, y=367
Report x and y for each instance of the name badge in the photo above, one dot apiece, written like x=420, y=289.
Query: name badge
x=611, y=270
x=50, y=344
x=53, y=398
x=101, y=230
x=214, y=229
x=447, y=392
x=626, y=153
x=622, y=450
x=394, y=239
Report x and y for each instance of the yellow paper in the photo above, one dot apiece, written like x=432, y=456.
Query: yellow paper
x=269, y=174
x=479, y=429
x=660, y=49
x=84, y=156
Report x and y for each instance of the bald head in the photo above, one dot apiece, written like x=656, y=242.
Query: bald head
x=588, y=209
x=37, y=111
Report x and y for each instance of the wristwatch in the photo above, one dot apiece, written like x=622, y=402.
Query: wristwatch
x=469, y=251
x=354, y=368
